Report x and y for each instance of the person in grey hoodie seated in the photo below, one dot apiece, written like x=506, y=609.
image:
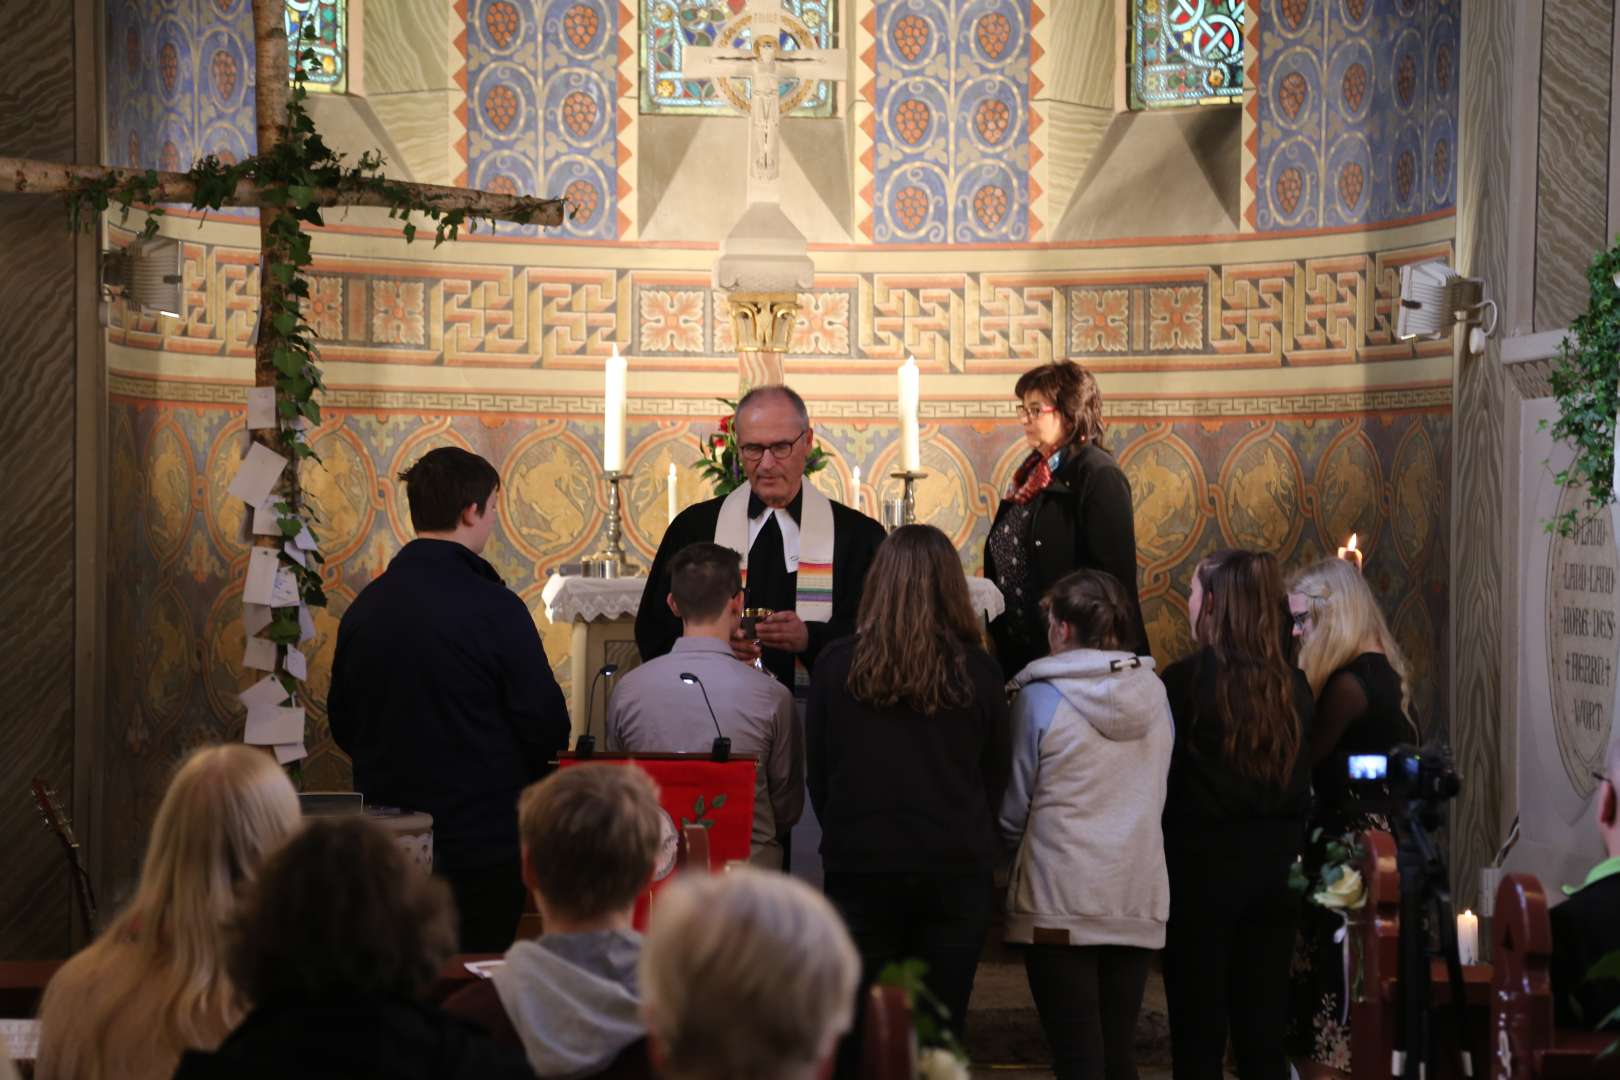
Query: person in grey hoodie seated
x=1088, y=894
x=590, y=835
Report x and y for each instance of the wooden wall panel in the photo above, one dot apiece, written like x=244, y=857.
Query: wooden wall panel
x=38, y=265
x=1477, y=520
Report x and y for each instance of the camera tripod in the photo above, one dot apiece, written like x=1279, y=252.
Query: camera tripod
x=1425, y=896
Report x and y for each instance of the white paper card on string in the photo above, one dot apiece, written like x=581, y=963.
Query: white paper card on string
x=263, y=567
x=261, y=413
x=257, y=475
x=273, y=725
x=306, y=624
x=284, y=589
x=255, y=617
x=290, y=752
x=260, y=655
x=267, y=691
x=305, y=539
x=297, y=664
x=296, y=554
x=264, y=519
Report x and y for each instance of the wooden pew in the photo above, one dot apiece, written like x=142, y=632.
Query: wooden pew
x=1375, y=930
x=888, y=1051
x=1526, y=1045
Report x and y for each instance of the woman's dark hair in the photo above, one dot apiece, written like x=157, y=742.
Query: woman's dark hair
x=1241, y=626
x=341, y=911
x=443, y=483
x=1073, y=391
x=916, y=624
x=1092, y=603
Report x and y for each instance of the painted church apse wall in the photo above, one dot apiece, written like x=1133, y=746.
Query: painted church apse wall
x=1255, y=392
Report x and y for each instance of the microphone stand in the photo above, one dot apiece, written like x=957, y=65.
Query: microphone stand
x=721, y=750
x=585, y=745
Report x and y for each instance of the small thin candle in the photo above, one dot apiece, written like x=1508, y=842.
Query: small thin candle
x=910, y=440
x=674, y=500
x=855, y=483
x=1468, y=937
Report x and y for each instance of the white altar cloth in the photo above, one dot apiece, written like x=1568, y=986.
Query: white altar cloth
x=584, y=599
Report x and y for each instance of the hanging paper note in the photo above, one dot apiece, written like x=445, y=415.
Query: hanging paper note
x=305, y=539
x=284, y=590
x=306, y=625
x=260, y=655
x=261, y=413
x=267, y=691
x=295, y=553
x=291, y=752
x=264, y=519
x=297, y=664
x=255, y=617
x=257, y=475
x=261, y=576
x=271, y=725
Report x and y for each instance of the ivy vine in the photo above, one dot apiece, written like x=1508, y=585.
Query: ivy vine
x=1586, y=384
x=296, y=178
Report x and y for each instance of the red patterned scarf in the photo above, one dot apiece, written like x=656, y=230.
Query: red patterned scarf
x=1030, y=479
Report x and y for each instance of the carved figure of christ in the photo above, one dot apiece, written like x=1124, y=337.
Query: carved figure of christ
x=766, y=67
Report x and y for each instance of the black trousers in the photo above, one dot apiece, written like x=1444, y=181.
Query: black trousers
x=939, y=918
x=1088, y=997
x=1227, y=951
x=489, y=901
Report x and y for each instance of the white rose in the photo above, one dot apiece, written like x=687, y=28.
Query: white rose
x=936, y=1063
x=1346, y=894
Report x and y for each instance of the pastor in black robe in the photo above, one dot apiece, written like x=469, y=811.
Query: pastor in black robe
x=855, y=542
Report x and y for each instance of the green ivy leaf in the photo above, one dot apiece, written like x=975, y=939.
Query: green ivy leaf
x=717, y=802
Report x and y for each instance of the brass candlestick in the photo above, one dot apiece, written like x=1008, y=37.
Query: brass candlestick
x=908, y=501
x=610, y=561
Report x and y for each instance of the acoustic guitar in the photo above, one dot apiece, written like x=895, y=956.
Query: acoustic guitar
x=57, y=820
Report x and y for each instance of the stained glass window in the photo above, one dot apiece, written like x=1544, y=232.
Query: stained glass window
x=669, y=26
x=331, y=44
x=1186, y=52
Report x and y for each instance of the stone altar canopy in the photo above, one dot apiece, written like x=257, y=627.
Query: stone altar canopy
x=602, y=612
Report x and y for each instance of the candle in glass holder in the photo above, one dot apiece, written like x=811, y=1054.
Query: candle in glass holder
x=613, y=402
x=1468, y=937
x=855, y=483
x=1351, y=553
x=674, y=502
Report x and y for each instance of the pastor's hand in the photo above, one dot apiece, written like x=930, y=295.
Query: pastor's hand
x=784, y=631
x=742, y=648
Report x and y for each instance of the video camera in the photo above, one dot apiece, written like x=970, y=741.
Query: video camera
x=1413, y=775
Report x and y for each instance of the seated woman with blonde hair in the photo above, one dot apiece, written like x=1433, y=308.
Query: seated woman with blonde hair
x=745, y=975
x=154, y=984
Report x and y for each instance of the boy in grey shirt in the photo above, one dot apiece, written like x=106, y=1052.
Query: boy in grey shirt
x=653, y=711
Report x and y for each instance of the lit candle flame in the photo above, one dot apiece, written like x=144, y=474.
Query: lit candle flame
x=1351, y=553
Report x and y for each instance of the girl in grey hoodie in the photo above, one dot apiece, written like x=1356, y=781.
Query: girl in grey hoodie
x=1092, y=738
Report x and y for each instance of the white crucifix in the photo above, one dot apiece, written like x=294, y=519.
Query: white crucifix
x=766, y=67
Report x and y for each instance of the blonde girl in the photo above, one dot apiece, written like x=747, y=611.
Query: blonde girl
x=154, y=983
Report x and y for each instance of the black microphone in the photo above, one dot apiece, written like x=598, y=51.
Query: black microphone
x=585, y=745
x=722, y=745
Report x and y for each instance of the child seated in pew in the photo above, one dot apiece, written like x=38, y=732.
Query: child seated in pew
x=154, y=983
x=747, y=974
x=1586, y=927
x=590, y=837
x=337, y=947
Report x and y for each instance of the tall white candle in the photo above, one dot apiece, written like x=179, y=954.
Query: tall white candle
x=674, y=502
x=613, y=413
x=910, y=440
x=1468, y=937
x=855, y=482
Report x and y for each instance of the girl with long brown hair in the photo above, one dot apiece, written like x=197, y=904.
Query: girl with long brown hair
x=1234, y=821
x=908, y=753
x=154, y=984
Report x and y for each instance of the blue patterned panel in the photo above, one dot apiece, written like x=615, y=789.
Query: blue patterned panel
x=951, y=139
x=1357, y=111
x=542, y=107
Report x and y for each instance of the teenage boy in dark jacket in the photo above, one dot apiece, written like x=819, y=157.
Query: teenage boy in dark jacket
x=443, y=696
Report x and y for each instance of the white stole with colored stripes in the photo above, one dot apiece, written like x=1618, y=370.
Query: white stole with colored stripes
x=813, y=599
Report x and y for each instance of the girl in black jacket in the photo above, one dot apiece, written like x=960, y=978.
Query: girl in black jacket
x=1234, y=822
x=1068, y=508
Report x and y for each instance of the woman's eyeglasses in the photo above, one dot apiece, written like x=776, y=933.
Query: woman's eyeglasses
x=1026, y=414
